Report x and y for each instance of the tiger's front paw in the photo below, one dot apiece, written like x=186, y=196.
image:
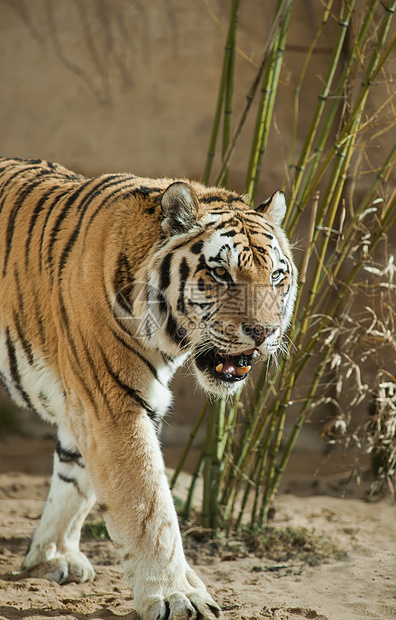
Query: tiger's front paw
x=195, y=605
x=60, y=567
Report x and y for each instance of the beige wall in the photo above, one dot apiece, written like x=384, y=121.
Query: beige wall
x=105, y=86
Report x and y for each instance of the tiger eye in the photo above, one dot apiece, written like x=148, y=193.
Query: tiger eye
x=220, y=272
x=276, y=275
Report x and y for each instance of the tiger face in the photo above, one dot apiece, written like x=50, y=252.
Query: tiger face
x=220, y=287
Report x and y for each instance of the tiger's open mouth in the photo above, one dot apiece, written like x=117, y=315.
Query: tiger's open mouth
x=225, y=367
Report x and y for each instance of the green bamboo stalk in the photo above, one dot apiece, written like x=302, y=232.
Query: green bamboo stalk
x=229, y=83
x=193, y=485
x=337, y=100
x=260, y=128
x=297, y=90
x=212, y=465
x=210, y=454
x=323, y=97
x=258, y=441
x=263, y=459
x=224, y=80
x=269, y=104
x=274, y=472
x=266, y=107
x=388, y=221
x=242, y=453
x=336, y=260
x=332, y=310
x=249, y=485
x=188, y=445
x=375, y=66
x=318, y=300
x=214, y=504
x=284, y=7
x=241, y=460
x=220, y=434
x=230, y=431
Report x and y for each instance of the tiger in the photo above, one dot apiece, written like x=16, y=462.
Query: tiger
x=107, y=286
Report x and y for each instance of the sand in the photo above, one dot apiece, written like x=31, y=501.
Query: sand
x=360, y=584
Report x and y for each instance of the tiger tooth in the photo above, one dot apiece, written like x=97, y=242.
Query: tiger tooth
x=242, y=370
x=219, y=367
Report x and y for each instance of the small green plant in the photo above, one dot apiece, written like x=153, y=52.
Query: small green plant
x=281, y=545
x=96, y=530
x=343, y=208
x=288, y=543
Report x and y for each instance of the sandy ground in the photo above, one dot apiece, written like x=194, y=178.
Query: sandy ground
x=361, y=585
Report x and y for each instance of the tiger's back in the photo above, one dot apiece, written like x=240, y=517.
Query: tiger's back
x=107, y=286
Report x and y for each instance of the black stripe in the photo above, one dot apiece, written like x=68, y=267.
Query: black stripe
x=26, y=160
x=169, y=241
x=167, y=359
x=167, y=611
x=141, y=191
x=40, y=322
x=61, y=217
x=104, y=183
x=163, y=304
x=218, y=258
x=219, y=198
x=260, y=249
x=196, y=248
x=20, y=299
x=12, y=359
x=49, y=210
x=68, y=456
x=123, y=282
x=202, y=305
x=265, y=259
x=123, y=182
x=220, y=211
x=184, y=271
x=15, y=376
x=164, y=272
x=79, y=377
x=130, y=391
x=19, y=200
x=5, y=184
x=92, y=367
x=122, y=297
x=230, y=233
x=177, y=333
x=149, y=365
x=201, y=265
x=70, y=340
x=72, y=481
x=27, y=347
x=224, y=224
x=37, y=210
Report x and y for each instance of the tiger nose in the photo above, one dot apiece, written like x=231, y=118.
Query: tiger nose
x=258, y=332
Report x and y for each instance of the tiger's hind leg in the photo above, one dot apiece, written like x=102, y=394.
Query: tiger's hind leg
x=54, y=552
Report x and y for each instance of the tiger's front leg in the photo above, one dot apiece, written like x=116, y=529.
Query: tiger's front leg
x=127, y=469
x=54, y=552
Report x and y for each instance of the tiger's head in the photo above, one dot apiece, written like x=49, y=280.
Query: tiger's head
x=221, y=284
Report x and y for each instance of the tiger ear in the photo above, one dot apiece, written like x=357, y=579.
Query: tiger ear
x=274, y=207
x=179, y=204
